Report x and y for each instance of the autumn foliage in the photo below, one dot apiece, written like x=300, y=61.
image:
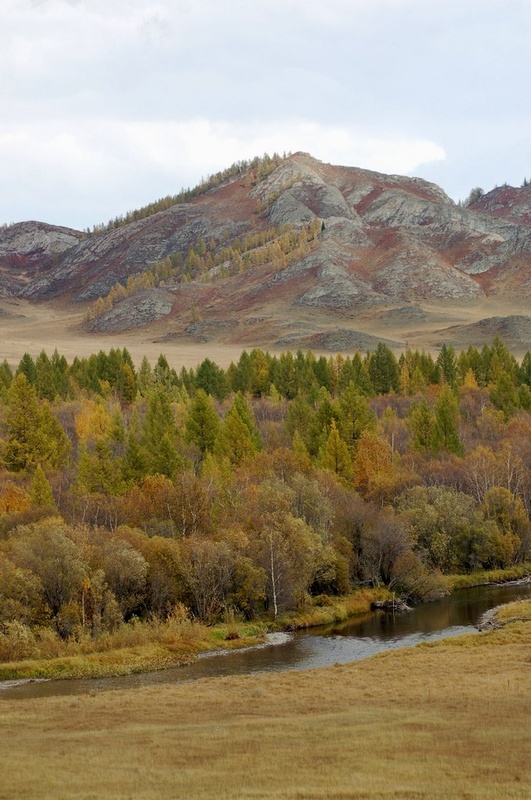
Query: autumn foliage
x=127, y=491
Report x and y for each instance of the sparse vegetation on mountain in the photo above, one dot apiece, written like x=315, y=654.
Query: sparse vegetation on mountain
x=260, y=166
x=214, y=261
x=394, y=259
x=474, y=196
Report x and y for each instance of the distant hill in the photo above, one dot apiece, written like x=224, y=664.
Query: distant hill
x=310, y=254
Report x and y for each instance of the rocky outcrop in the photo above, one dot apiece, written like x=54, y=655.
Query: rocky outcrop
x=514, y=330
x=506, y=202
x=35, y=244
x=31, y=249
x=387, y=242
x=144, y=307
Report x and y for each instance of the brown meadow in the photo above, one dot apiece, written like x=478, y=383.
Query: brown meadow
x=445, y=720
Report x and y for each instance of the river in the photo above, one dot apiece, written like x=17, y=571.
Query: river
x=354, y=640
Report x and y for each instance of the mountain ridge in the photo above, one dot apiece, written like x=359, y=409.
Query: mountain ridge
x=386, y=245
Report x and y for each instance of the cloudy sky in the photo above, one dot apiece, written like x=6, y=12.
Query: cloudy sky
x=110, y=104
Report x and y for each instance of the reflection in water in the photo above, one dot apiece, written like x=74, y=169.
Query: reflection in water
x=325, y=646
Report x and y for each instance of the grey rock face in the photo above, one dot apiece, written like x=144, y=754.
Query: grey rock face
x=144, y=307
x=36, y=239
x=385, y=239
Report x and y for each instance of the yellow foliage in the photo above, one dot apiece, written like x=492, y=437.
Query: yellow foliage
x=92, y=422
x=13, y=498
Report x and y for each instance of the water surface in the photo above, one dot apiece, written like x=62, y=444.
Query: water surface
x=354, y=640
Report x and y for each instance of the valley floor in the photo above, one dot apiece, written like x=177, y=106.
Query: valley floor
x=446, y=720
x=30, y=327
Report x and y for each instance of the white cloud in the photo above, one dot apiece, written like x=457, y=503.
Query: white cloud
x=123, y=164
x=107, y=104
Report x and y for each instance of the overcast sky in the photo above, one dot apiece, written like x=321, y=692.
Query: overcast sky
x=110, y=104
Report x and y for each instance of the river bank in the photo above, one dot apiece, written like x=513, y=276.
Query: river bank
x=146, y=647
x=495, y=576
x=448, y=719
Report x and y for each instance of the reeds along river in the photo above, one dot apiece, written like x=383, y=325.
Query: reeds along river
x=359, y=638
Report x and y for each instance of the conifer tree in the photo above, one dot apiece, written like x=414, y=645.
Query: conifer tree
x=284, y=375
x=335, y=455
x=524, y=372
x=242, y=374
x=99, y=470
x=33, y=433
x=6, y=378
x=45, y=378
x=447, y=365
x=359, y=375
x=145, y=377
x=504, y=395
x=355, y=416
x=422, y=424
x=126, y=385
x=260, y=381
x=446, y=422
x=60, y=373
x=27, y=367
x=383, y=370
x=202, y=423
x=212, y=379
x=160, y=433
x=298, y=418
x=242, y=407
x=235, y=441
x=135, y=463
x=40, y=490
x=321, y=423
x=501, y=360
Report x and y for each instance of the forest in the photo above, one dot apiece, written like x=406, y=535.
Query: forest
x=133, y=495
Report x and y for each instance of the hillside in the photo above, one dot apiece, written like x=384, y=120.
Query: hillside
x=388, y=257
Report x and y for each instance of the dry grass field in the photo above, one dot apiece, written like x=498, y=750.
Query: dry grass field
x=448, y=720
x=29, y=327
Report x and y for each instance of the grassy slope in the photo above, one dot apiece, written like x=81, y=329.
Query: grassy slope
x=445, y=720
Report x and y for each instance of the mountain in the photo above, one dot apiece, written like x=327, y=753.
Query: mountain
x=369, y=257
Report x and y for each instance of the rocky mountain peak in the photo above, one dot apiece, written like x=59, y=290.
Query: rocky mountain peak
x=357, y=244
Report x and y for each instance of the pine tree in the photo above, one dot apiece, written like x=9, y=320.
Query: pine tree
x=504, y=395
x=160, y=433
x=135, y=464
x=242, y=407
x=212, y=379
x=27, y=367
x=235, y=441
x=41, y=491
x=422, y=424
x=145, y=377
x=99, y=471
x=33, y=433
x=355, y=416
x=126, y=385
x=321, y=423
x=6, y=379
x=446, y=422
x=45, y=378
x=383, y=370
x=335, y=455
x=202, y=423
x=447, y=365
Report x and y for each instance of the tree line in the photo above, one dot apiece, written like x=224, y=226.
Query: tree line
x=126, y=492
x=259, y=168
